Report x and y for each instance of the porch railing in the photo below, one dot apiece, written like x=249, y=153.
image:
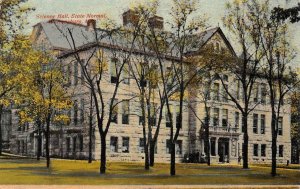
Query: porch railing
x=224, y=129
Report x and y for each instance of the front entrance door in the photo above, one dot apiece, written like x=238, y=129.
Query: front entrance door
x=223, y=150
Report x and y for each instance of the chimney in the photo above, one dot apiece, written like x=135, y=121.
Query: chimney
x=130, y=18
x=91, y=24
x=156, y=22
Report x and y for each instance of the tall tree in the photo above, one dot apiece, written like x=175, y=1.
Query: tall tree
x=239, y=20
x=280, y=77
x=41, y=91
x=145, y=72
x=12, y=20
x=121, y=43
x=179, y=42
x=290, y=13
x=295, y=125
x=200, y=92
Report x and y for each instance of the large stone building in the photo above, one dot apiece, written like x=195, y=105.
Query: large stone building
x=124, y=139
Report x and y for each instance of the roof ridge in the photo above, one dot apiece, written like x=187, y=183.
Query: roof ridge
x=65, y=21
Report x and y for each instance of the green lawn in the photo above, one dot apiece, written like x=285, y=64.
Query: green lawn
x=29, y=171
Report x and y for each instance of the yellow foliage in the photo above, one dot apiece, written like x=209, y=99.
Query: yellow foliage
x=36, y=79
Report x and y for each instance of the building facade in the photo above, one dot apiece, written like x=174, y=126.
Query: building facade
x=125, y=136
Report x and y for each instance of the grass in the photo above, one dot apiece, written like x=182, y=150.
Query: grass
x=15, y=170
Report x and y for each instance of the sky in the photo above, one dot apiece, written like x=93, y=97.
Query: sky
x=214, y=10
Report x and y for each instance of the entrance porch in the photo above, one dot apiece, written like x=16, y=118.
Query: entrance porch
x=223, y=149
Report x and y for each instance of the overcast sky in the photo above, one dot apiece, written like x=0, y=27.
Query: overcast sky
x=213, y=9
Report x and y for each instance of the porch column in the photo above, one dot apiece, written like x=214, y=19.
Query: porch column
x=229, y=150
x=202, y=146
x=216, y=148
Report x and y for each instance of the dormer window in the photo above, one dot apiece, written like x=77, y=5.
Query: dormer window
x=217, y=47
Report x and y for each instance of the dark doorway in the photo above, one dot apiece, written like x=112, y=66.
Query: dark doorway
x=223, y=150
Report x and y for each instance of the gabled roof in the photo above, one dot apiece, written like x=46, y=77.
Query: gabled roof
x=205, y=36
x=57, y=32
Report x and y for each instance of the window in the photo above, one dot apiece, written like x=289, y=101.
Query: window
x=263, y=93
x=68, y=74
x=178, y=146
x=255, y=149
x=224, y=118
x=143, y=81
x=155, y=147
x=213, y=147
x=224, y=94
x=18, y=146
x=243, y=149
x=114, y=115
x=126, y=74
x=23, y=146
x=114, y=144
x=178, y=121
x=125, y=144
x=207, y=114
x=75, y=73
x=68, y=144
x=26, y=125
x=69, y=116
x=237, y=119
x=216, y=117
x=255, y=123
x=82, y=73
x=168, y=146
x=169, y=81
x=216, y=91
x=75, y=116
x=141, y=119
x=81, y=110
x=237, y=94
x=113, y=70
x=263, y=150
x=225, y=78
x=141, y=145
x=262, y=124
x=74, y=144
x=243, y=125
x=153, y=114
x=168, y=120
x=81, y=143
x=153, y=75
x=255, y=93
x=280, y=126
x=280, y=151
x=125, y=112
x=217, y=47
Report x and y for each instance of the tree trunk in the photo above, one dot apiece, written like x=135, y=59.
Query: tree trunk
x=147, y=167
x=206, y=141
x=152, y=153
x=47, y=135
x=90, y=129
x=274, y=145
x=39, y=145
x=1, y=141
x=246, y=141
x=103, y=154
x=90, y=143
x=173, y=152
